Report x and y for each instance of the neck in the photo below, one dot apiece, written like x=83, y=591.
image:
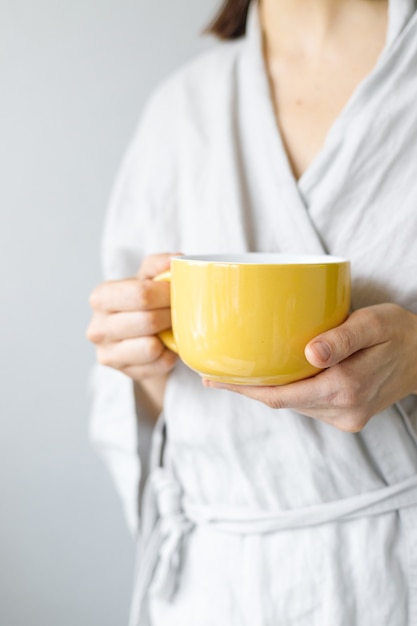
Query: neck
x=306, y=25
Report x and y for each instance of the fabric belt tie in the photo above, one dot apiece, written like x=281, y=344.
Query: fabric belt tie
x=173, y=526
x=175, y=517
x=163, y=532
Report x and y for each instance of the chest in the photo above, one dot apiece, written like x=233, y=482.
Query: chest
x=310, y=92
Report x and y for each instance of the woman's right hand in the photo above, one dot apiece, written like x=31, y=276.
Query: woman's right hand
x=127, y=316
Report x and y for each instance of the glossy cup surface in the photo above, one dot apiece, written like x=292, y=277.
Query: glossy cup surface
x=246, y=319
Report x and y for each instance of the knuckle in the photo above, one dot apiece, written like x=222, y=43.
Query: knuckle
x=152, y=322
x=153, y=348
x=348, y=399
x=93, y=336
x=146, y=265
x=343, y=398
x=154, y=263
x=168, y=360
x=94, y=333
x=273, y=401
x=396, y=309
x=143, y=295
x=347, y=425
x=347, y=392
x=376, y=321
x=95, y=299
x=353, y=422
x=104, y=358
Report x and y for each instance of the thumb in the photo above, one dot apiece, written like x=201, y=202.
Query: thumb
x=361, y=330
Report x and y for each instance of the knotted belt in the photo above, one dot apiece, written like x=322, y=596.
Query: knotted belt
x=173, y=518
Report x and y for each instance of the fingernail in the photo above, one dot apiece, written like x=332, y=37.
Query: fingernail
x=322, y=350
x=208, y=383
x=211, y=384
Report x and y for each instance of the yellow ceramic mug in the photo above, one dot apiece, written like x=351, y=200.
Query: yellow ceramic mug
x=246, y=318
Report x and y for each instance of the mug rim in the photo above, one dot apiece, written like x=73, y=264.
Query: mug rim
x=262, y=258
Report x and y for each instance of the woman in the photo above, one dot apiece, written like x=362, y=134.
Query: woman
x=278, y=505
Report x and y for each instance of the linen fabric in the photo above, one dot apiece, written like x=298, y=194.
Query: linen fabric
x=207, y=172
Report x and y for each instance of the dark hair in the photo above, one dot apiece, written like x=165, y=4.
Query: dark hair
x=230, y=22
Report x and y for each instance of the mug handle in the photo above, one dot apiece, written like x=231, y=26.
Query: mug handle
x=167, y=336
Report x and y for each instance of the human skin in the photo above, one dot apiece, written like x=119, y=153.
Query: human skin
x=314, y=64
x=371, y=361
x=316, y=53
x=127, y=315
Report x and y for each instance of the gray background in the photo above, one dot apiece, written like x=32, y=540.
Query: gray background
x=74, y=75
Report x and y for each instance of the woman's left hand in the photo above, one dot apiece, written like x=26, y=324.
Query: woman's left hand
x=370, y=362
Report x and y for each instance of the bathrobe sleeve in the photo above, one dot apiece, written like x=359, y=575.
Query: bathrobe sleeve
x=142, y=196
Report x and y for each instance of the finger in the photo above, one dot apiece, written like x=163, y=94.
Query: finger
x=138, y=351
x=130, y=295
x=129, y=325
x=363, y=329
x=109, y=328
x=161, y=366
x=302, y=394
x=326, y=403
x=155, y=264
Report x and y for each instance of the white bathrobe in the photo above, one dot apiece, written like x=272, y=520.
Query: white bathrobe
x=260, y=517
